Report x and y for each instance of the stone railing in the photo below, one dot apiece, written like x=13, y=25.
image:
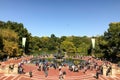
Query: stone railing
x=118, y=70
x=114, y=70
x=6, y=70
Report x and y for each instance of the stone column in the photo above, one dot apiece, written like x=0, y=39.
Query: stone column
x=114, y=70
x=104, y=70
x=6, y=69
x=15, y=71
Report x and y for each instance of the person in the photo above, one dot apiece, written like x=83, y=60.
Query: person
x=70, y=68
x=11, y=67
x=97, y=73
x=73, y=67
x=39, y=66
x=45, y=69
x=108, y=71
x=85, y=69
x=76, y=69
x=60, y=75
x=54, y=65
x=30, y=73
x=60, y=67
x=101, y=70
x=64, y=74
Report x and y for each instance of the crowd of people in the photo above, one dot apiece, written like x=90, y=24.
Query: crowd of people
x=88, y=63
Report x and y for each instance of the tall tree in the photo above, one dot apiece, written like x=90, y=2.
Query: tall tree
x=10, y=41
x=68, y=47
x=112, y=37
x=20, y=30
x=1, y=42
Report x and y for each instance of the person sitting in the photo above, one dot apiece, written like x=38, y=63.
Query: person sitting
x=76, y=69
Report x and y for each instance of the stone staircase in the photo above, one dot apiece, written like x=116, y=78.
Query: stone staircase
x=40, y=76
x=37, y=76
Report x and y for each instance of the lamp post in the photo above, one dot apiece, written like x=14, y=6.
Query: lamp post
x=93, y=45
x=23, y=44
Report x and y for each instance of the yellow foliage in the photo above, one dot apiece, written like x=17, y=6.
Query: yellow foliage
x=11, y=48
x=10, y=41
x=9, y=35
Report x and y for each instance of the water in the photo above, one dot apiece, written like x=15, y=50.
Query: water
x=68, y=62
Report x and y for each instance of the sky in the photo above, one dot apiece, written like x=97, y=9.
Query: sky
x=62, y=17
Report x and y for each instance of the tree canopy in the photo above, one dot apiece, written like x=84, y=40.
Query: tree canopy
x=11, y=34
x=111, y=42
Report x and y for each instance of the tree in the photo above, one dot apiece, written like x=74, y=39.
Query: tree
x=76, y=41
x=10, y=42
x=112, y=40
x=44, y=43
x=20, y=30
x=1, y=42
x=68, y=47
x=35, y=43
x=63, y=38
x=54, y=43
x=2, y=24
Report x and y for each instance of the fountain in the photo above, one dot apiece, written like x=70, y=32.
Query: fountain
x=59, y=56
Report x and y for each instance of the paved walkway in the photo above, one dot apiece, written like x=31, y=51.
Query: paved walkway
x=52, y=74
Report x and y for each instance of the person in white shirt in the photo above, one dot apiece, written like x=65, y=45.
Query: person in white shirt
x=60, y=75
x=73, y=67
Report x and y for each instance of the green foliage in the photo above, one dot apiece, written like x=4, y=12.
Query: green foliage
x=54, y=42
x=110, y=44
x=99, y=55
x=1, y=42
x=11, y=40
x=70, y=44
x=11, y=34
x=68, y=47
x=34, y=43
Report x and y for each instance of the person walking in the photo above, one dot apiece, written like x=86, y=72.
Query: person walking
x=61, y=75
x=45, y=69
x=39, y=66
x=30, y=74
x=64, y=74
x=97, y=73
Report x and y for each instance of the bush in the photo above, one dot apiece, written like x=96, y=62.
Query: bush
x=99, y=55
x=119, y=64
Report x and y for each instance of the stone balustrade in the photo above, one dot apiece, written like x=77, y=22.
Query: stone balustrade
x=5, y=69
x=118, y=70
x=114, y=70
